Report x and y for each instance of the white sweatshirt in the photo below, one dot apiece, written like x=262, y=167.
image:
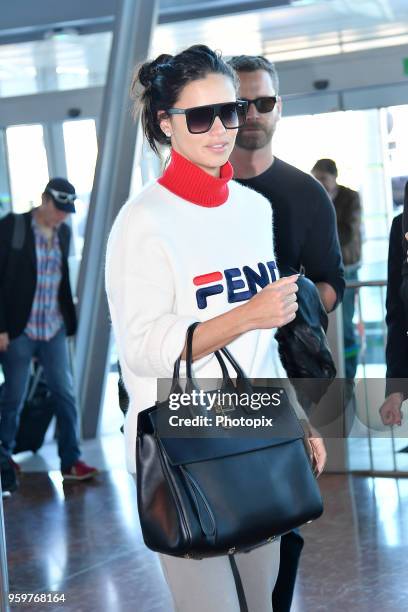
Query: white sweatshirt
x=159, y=252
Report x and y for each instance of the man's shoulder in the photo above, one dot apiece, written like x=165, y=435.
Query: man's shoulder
x=300, y=177
x=396, y=226
x=301, y=187
x=64, y=231
x=347, y=191
x=7, y=222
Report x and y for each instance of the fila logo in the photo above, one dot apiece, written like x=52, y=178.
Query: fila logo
x=210, y=284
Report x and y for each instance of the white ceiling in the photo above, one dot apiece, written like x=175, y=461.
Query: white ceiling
x=306, y=28
x=303, y=25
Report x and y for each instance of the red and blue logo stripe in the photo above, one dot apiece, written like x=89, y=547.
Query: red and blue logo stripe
x=241, y=285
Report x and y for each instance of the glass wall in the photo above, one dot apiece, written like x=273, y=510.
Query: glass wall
x=5, y=199
x=354, y=139
x=396, y=120
x=63, y=60
x=28, y=165
x=358, y=142
x=371, y=151
x=80, y=154
x=24, y=172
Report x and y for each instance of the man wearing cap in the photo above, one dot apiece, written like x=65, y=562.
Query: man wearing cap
x=37, y=314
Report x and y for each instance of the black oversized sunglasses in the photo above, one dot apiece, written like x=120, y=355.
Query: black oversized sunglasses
x=200, y=119
x=263, y=104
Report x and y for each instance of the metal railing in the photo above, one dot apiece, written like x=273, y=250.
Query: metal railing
x=379, y=333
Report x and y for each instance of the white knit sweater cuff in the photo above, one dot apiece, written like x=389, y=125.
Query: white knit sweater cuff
x=166, y=342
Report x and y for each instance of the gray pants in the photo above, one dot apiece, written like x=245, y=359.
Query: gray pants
x=208, y=585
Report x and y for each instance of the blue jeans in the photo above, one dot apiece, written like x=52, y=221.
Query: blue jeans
x=16, y=362
x=351, y=345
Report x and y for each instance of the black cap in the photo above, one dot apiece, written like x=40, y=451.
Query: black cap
x=63, y=194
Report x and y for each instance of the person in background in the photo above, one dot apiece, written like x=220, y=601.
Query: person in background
x=396, y=354
x=304, y=225
x=37, y=314
x=404, y=282
x=348, y=209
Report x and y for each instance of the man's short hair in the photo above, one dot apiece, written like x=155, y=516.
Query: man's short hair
x=250, y=63
x=326, y=165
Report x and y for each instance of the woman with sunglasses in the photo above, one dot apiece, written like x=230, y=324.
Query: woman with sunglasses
x=196, y=246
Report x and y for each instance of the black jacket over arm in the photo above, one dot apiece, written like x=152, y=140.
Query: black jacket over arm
x=18, y=278
x=397, y=340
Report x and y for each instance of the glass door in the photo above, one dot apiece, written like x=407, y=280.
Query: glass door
x=370, y=150
x=28, y=166
x=5, y=199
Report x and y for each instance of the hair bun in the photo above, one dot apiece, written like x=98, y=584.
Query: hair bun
x=150, y=70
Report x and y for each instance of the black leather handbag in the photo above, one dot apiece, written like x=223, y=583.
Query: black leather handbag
x=220, y=494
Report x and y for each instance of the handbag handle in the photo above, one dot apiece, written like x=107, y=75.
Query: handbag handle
x=243, y=384
x=189, y=354
x=224, y=370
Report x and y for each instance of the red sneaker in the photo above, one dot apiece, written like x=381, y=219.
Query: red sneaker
x=79, y=471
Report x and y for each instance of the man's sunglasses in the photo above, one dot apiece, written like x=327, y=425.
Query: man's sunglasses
x=200, y=119
x=62, y=196
x=264, y=104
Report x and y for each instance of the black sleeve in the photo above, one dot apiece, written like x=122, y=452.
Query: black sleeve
x=69, y=309
x=397, y=341
x=404, y=230
x=321, y=254
x=405, y=213
x=6, y=228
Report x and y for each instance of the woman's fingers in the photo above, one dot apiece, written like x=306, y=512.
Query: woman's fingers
x=290, y=289
x=319, y=455
x=291, y=298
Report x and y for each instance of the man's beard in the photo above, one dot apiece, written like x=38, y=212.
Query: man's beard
x=252, y=139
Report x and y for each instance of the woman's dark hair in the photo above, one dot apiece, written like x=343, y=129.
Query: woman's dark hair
x=157, y=85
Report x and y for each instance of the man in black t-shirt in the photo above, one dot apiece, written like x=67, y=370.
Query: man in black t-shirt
x=303, y=214
x=304, y=229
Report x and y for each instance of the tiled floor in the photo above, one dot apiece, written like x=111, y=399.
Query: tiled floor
x=84, y=540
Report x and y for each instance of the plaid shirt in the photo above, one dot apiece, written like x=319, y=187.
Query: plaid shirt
x=45, y=318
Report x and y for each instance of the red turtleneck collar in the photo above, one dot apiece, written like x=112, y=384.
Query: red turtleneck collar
x=190, y=182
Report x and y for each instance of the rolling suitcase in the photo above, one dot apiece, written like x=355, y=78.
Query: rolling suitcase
x=35, y=416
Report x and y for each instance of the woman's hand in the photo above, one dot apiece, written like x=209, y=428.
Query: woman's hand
x=315, y=448
x=390, y=411
x=318, y=451
x=274, y=306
